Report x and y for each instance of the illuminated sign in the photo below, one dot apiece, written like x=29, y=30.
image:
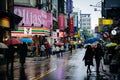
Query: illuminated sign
x=107, y=21
x=4, y=22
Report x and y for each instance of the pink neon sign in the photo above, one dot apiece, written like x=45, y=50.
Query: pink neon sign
x=33, y=16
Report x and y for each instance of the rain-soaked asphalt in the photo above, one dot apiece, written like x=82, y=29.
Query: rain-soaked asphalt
x=67, y=67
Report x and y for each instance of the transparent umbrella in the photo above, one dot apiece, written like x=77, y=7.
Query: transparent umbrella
x=3, y=46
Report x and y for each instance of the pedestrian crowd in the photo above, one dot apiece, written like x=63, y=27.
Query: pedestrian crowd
x=93, y=53
x=102, y=55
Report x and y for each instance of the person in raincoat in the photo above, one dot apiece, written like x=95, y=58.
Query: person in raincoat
x=10, y=57
x=42, y=49
x=99, y=53
x=22, y=50
x=88, y=58
x=48, y=49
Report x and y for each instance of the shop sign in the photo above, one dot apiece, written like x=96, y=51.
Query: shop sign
x=4, y=22
x=107, y=21
x=113, y=32
x=71, y=26
x=61, y=22
x=61, y=34
x=33, y=16
x=27, y=30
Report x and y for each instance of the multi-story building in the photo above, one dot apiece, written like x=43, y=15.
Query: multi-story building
x=8, y=19
x=55, y=14
x=61, y=4
x=85, y=21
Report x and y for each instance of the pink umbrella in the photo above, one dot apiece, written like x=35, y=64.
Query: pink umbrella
x=59, y=44
x=13, y=41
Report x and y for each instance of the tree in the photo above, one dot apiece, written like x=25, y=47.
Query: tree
x=87, y=33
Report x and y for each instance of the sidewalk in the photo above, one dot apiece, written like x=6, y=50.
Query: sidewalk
x=105, y=72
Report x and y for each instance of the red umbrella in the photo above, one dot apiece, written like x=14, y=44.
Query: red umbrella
x=13, y=41
x=59, y=44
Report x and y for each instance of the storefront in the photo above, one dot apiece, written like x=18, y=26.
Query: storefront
x=35, y=23
x=29, y=32
x=7, y=22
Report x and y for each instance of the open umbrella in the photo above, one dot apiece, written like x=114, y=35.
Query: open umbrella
x=105, y=43
x=59, y=43
x=3, y=46
x=73, y=42
x=111, y=44
x=28, y=40
x=13, y=41
x=92, y=45
x=92, y=40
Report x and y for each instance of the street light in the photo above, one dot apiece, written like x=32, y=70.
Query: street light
x=98, y=5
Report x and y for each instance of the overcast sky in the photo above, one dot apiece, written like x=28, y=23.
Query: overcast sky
x=84, y=6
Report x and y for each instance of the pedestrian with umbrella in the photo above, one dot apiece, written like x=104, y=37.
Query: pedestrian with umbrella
x=88, y=58
x=12, y=43
x=99, y=53
x=10, y=57
x=22, y=51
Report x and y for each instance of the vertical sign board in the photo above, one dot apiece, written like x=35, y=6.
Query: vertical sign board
x=69, y=6
x=76, y=24
x=61, y=22
x=100, y=24
x=71, y=27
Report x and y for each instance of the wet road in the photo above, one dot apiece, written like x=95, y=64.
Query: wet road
x=66, y=67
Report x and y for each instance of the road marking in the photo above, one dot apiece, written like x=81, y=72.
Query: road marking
x=42, y=74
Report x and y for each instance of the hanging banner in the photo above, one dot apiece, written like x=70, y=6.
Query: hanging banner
x=71, y=26
x=69, y=6
x=61, y=22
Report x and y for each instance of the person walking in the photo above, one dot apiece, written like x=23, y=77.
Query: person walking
x=48, y=49
x=70, y=47
x=57, y=51
x=42, y=50
x=98, y=56
x=53, y=49
x=61, y=50
x=22, y=50
x=10, y=57
x=88, y=58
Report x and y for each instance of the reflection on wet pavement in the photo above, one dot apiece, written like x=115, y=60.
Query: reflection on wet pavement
x=67, y=67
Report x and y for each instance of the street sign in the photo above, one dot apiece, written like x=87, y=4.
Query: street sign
x=107, y=21
x=113, y=32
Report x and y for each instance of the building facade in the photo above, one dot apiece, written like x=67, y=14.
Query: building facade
x=8, y=20
x=85, y=21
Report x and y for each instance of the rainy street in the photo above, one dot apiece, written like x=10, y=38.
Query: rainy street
x=66, y=67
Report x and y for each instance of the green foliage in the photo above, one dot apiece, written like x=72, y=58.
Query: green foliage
x=87, y=33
